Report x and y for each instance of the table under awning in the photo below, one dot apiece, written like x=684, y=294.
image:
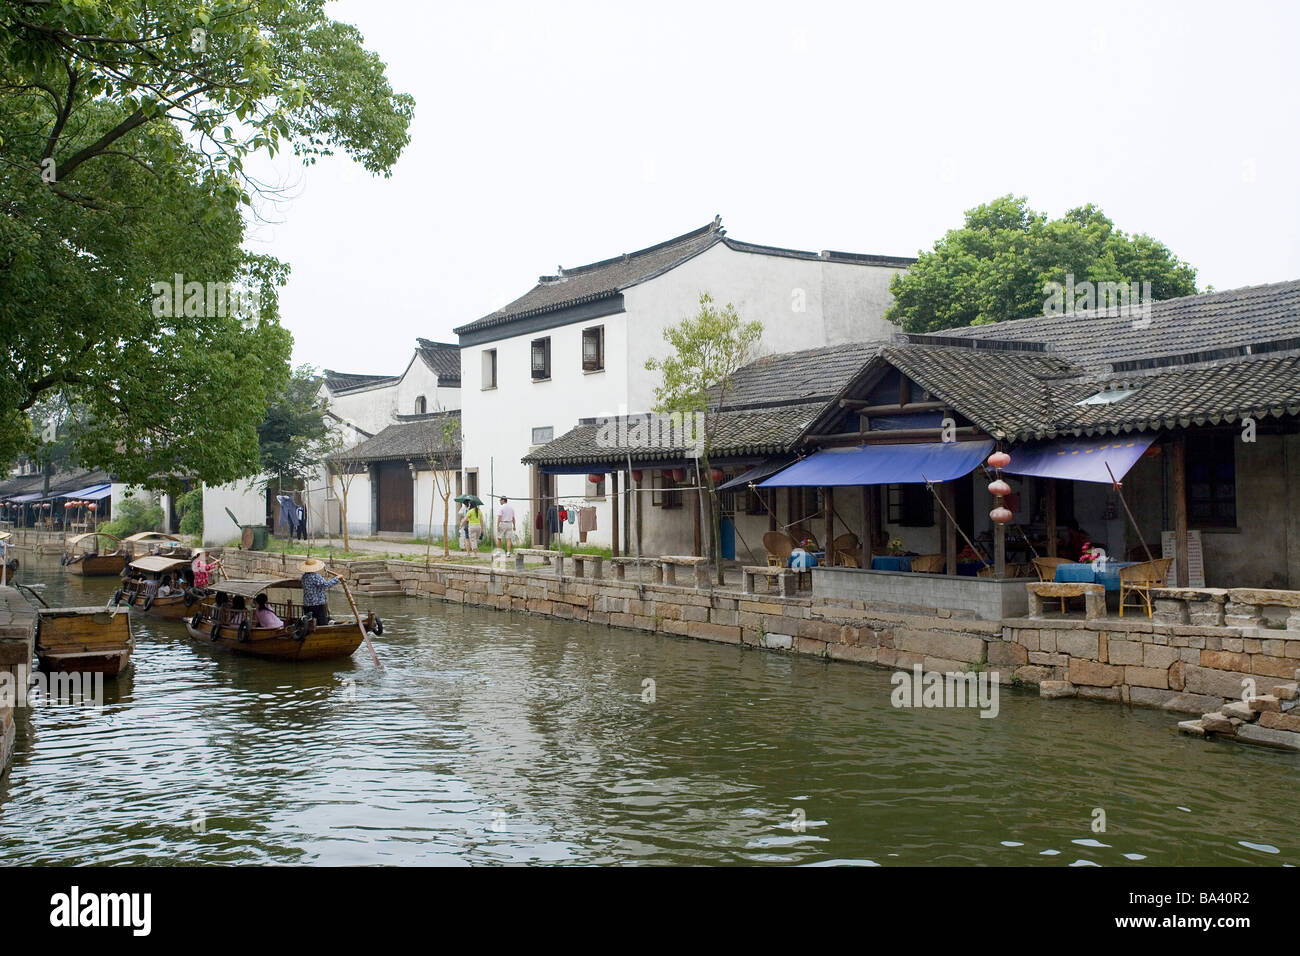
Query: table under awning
x=883, y=464
x=760, y=471
x=1080, y=459
x=89, y=493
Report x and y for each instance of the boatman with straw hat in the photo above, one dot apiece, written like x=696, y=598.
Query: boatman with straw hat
x=315, y=600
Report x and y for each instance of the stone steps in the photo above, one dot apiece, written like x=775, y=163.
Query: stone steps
x=1268, y=720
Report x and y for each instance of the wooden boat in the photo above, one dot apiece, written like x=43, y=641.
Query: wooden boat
x=156, y=542
x=139, y=588
x=82, y=555
x=83, y=639
x=300, y=639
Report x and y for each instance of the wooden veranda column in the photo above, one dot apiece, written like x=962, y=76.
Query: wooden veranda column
x=697, y=517
x=867, y=504
x=949, y=529
x=613, y=524
x=1051, y=517
x=1178, y=450
x=771, y=509
x=829, y=498
x=999, y=550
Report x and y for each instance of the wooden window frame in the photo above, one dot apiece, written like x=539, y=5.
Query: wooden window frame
x=596, y=364
x=542, y=373
x=491, y=356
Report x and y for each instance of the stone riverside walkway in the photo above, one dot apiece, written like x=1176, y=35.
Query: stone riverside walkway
x=17, y=636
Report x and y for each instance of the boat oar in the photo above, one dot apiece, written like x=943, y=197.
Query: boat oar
x=365, y=635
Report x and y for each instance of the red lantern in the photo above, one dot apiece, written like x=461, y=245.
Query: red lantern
x=92, y=507
x=999, y=459
x=717, y=475
x=1000, y=515
x=999, y=487
x=636, y=475
x=677, y=474
x=595, y=479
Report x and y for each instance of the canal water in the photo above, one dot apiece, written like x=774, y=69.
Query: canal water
x=492, y=737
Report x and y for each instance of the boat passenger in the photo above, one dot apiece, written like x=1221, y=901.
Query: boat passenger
x=238, y=611
x=165, y=587
x=314, y=599
x=263, y=616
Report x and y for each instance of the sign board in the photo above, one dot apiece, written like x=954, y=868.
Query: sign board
x=1195, y=559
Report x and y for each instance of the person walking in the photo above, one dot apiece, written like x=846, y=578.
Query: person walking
x=315, y=600
x=474, y=526
x=462, y=537
x=506, y=525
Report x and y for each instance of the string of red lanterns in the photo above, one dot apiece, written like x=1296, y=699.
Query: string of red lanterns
x=999, y=489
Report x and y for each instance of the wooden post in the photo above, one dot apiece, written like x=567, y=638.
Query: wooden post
x=1179, y=462
x=828, y=496
x=771, y=509
x=949, y=528
x=999, y=550
x=866, y=524
x=697, y=517
x=1051, y=517
x=613, y=504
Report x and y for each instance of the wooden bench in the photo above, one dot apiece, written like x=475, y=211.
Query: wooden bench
x=580, y=561
x=620, y=566
x=669, y=563
x=784, y=577
x=1094, y=597
x=555, y=557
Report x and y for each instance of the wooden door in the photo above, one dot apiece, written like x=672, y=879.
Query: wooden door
x=396, y=497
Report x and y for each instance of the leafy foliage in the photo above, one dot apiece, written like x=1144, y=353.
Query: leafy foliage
x=190, y=508
x=124, y=126
x=708, y=349
x=995, y=266
x=295, y=433
x=133, y=515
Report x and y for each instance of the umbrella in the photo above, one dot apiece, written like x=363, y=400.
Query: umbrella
x=474, y=500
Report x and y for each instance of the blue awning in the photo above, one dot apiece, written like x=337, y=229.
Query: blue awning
x=1080, y=459
x=23, y=499
x=89, y=493
x=883, y=465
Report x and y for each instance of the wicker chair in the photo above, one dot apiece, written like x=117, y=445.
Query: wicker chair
x=1140, y=579
x=778, y=546
x=929, y=563
x=846, y=551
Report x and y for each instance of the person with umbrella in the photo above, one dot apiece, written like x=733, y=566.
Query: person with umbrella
x=473, y=522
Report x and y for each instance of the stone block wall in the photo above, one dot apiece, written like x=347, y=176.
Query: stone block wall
x=17, y=643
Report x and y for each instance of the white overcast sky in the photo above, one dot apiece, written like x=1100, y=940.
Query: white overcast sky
x=553, y=134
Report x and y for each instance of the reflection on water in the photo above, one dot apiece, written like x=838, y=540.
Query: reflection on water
x=500, y=738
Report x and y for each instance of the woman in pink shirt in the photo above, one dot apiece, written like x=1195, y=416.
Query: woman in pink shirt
x=202, y=570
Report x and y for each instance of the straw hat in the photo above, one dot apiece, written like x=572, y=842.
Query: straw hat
x=311, y=564
x=4, y=535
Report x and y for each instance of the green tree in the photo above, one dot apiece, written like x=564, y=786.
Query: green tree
x=293, y=436
x=996, y=266
x=190, y=508
x=124, y=126
x=133, y=515
x=707, y=350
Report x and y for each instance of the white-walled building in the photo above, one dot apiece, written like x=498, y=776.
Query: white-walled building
x=361, y=407
x=574, y=347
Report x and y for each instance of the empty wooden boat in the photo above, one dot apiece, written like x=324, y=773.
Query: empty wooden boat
x=155, y=542
x=94, y=554
x=84, y=639
x=226, y=620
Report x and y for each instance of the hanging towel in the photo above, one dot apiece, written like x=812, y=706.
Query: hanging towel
x=586, y=520
x=571, y=516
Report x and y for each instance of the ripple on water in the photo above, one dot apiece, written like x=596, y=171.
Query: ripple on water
x=498, y=738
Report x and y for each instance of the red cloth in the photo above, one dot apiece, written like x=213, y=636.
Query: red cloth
x=564, y=514
x=538, y=522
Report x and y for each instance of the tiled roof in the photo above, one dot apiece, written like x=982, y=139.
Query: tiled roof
x=61, y=482
x=404, y=441
x=1190, y=324
x=344, y=381
x=736, y=434
x=443, y=358
x=809, y=375
x=598, y=280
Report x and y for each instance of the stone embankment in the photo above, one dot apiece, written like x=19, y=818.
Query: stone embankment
x=17, y=639
x=1202, y=649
